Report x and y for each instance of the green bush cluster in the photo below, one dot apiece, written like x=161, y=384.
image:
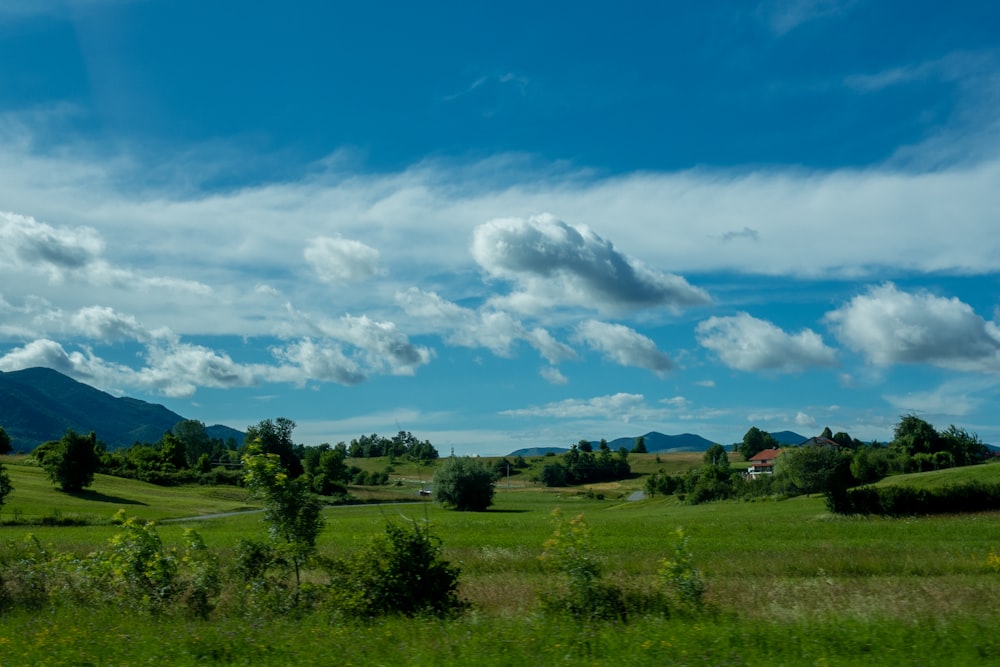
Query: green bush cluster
x=584, y=594
x=900, y=500
x=135, y=571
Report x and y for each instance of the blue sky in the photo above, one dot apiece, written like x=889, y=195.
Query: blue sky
x=512, y=225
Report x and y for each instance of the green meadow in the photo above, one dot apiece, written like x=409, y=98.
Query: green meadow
x=788, y=583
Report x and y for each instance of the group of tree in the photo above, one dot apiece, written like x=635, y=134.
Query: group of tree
x=402, y=445
x=187, y=455
x=830, y=462
x=581, y=465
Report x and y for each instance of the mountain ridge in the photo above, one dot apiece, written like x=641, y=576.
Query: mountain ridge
x=40, y=404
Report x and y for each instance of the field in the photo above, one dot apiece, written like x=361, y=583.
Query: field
x=787, y=583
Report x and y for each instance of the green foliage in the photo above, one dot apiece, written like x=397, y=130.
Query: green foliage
x=72, y=461
x=813, y=468
x=716, y=455
x=756, y=441
x=464, y=484
x=275, y=437
x=585, y=595
x=901, y=500
x=403, y=444
x=640, y=445
x=291, y=510
x=139, y=567
x=6, y=486
x=583, y=467
x=400, y=573
x=682, y=579
x=5, y=443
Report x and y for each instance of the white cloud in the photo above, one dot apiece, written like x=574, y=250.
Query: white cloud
x=623, y=345
x=309, y=360
x=890, y=326
x=339, y=260
x=556, y=264
x=552, y=375
x=803, y=419
x=494, y=330
x=621, y=406
x=746, y=343
x=783, y=16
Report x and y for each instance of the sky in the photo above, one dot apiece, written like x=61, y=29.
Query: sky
x=508, y=225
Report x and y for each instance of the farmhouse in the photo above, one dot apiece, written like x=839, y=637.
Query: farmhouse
x=762, y=463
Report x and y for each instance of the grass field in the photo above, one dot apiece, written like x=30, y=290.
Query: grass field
x=788, y=583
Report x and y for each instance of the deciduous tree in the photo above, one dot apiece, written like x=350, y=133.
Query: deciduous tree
x=464, y=483
x=72, y=461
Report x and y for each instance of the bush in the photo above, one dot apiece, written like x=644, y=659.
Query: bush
x=402, y=573
x=464, y=484
x=907, y=501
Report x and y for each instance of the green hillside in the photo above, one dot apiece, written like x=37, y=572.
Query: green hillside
x=987, y=473
x=35, y=499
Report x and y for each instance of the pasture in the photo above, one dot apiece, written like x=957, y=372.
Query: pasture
x=787, y=583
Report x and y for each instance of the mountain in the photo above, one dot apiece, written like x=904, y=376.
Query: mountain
x=655, y=442
x=789, y=438
x=40, y=404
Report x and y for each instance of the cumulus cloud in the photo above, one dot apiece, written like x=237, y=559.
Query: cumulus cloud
x=26, y=244
x=803, y=419
x=891, y=326
x=179, y=370
x=64, y=254
x=308, y=360
x=623, y=345
x=557, y=264
x=614, y=406
x=492, y=329
x=954, y=398
x=340, y=260
x=746, y=343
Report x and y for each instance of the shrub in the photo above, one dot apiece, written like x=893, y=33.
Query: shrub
x=681, y=578
x=464, y=483
x=585, y=596
x=401, y=572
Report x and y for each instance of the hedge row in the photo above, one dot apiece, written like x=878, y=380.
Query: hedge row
x=909, y=501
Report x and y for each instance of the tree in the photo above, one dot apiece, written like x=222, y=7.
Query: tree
x=585, y=446
x=5, y=485
x=72, y=461
x=291, y=510
x=813, y=468
x=464, y=483
x=275, y=437
x=640, y=445
x=5, y=444
x=716, y=455
x=913, y=435
x=194, y=437
x=965, y=447
x=756, y=441
x=554, y=474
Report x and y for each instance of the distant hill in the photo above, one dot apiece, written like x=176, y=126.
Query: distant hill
x=538, y=451
x=789, y=438
x=40, y=404
x=659, y=443
x=655, y=443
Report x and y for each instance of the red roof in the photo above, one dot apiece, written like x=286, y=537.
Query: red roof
x=765, y=455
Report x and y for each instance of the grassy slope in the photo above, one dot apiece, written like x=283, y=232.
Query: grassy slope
x=988, y=473
x=35, y=497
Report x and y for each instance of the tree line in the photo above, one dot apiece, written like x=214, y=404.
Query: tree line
x=827, y=464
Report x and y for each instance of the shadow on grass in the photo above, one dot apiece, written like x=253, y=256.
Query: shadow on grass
x=97, y=496
x=493, y=511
